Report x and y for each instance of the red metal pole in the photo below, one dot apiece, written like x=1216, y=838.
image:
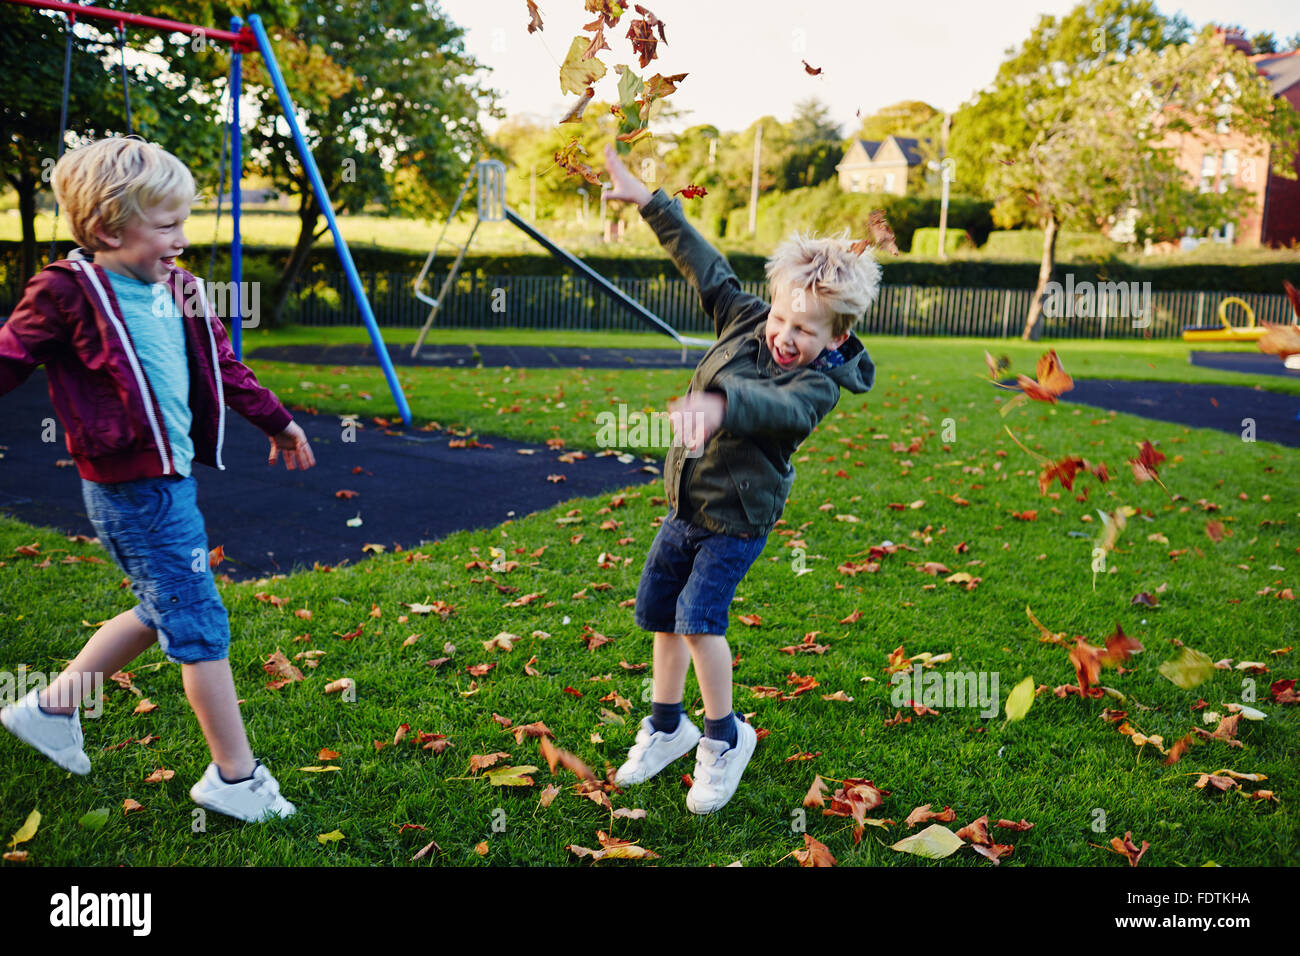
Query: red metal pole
x=243, y=41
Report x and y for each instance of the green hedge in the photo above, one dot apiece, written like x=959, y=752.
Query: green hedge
x=828, y=209
x=925, y=242
x=1028, y=244
x=264, y=263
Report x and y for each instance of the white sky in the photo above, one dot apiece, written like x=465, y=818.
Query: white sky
x=743, y=55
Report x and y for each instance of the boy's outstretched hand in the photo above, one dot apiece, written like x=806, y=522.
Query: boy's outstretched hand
x=293, y=442
x=626, y=186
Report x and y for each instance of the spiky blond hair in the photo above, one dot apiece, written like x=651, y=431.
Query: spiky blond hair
x=844, y=283
x=107, y=183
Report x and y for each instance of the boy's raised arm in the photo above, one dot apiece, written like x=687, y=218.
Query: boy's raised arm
x=702, y=265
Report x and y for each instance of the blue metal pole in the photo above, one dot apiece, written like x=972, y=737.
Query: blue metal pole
x=309, y=163
x=236, y=174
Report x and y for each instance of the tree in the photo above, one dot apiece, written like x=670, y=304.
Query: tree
x=1263, y=43
x=386, y=104
x=812, y=123
x=1031, y=84
x=1107, y=149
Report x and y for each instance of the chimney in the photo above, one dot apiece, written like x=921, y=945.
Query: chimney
x=1233, y=37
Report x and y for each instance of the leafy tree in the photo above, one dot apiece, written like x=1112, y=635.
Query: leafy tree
x=812, y=123
x=386, y=104
x=1263, y=43
x=1107, y=148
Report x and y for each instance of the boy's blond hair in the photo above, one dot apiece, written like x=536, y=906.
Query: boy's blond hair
x=106, y=184
x=845, y=283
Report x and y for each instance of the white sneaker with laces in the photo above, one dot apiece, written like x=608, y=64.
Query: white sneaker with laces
x=718, y=769
x=251, y=800
x=58, y=736
x=655, y=750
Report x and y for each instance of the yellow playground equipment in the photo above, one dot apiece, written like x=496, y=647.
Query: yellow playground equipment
x=1227, y=332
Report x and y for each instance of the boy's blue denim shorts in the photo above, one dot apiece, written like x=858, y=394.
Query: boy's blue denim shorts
x=153, y=530
x=690, y=577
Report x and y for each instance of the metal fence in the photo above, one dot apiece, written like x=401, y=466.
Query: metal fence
x=567, y=302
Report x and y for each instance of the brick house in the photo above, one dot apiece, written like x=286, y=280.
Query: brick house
x=879, y=166
x=1229, y=158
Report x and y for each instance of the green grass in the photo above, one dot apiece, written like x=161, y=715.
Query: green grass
x=1057, y=767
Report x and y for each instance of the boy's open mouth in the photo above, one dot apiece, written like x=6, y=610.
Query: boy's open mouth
x=783, y=358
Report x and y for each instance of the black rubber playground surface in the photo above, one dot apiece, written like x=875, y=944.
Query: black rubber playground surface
x=414, y=487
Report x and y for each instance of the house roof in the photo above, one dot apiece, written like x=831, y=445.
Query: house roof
x=909, y=145
x=1281, y=69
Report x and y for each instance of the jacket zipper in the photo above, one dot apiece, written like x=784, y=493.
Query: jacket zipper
x=216, y=373
x=141, y=381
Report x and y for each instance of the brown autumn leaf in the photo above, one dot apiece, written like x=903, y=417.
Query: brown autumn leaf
x=277, y=665
x=814, y=853
x=128, y=805
x=977, y=831
x=753, y=620
x=549, y=794
x=1128, y=849
x=537, y=729
x=534, y=17
x=1020, y=827
x=923, y=813
x=478, y=762
x=1215, y=781
x=816, y=795
x=811, y=70
x=1052, y=379
x=159, y=775
x=145, y=706
x=1144, y=466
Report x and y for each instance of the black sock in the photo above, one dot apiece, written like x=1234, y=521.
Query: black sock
x=724, y=728
x=241, y=779
x=665, y=717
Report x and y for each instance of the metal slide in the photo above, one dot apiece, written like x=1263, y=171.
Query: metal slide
x=604, y=285
x=491, y=174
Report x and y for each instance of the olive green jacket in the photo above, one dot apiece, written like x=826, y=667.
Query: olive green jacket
x=738, y=484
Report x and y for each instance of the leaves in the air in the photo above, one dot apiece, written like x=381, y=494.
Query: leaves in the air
x=1188, y=669
x=1144, y=466
x=641, y=33
x=811, y=70
x=691, y=192
x=534, y=17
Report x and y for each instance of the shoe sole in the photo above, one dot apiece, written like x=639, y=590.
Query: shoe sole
x=629, y=781
x=267, y=815
x=748, y=757
x=57, y=761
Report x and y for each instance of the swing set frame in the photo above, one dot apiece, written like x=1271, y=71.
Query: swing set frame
x=244, y=38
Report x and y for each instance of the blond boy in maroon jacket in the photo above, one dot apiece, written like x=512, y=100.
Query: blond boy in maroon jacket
x=140, y=373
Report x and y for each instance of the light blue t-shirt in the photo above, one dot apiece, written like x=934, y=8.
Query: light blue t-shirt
x=155, y=326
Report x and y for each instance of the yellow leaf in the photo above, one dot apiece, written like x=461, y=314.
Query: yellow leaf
x=318, y=769
x=934, y=842
x=332, y=837
x=511, y=776
x=576, y=74
x=1020, y=699
x=27, y=830
x=1188, y=669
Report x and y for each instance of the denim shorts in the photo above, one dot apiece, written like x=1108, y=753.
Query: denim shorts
x=153, y=530
x=690, y=577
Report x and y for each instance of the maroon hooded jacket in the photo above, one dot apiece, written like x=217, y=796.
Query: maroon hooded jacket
x=69, y=321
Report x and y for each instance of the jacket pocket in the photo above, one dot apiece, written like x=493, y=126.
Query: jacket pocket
x=748, y=471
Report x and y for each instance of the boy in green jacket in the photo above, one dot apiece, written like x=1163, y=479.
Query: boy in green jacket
x=774, y=372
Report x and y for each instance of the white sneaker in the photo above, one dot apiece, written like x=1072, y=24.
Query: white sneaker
x=250, y=800
x=655, y=750
x=718, y=769
x=57, y=736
